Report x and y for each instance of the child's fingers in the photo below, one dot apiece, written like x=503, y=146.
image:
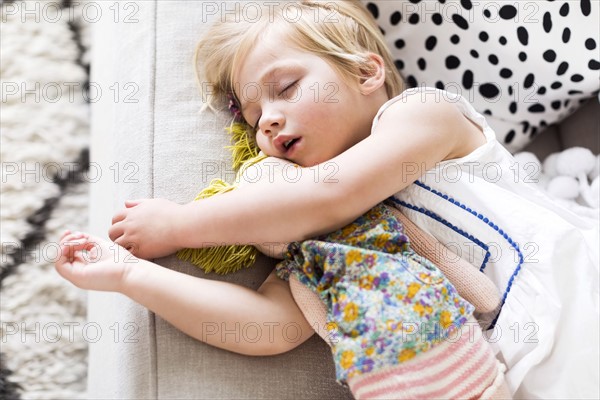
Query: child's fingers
x=70, y=236
x=69, y=267
x=95, y=246
x=65, y=233
x=70, y=233
x=64, y=264
x=133, y=203
x=77, y=255
x=70, y=246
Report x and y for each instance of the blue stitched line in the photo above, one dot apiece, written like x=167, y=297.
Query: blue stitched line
x=436, y=217
x=456, y=229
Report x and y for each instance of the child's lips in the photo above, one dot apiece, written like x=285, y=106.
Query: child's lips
x=292, y=147
x=285, y=144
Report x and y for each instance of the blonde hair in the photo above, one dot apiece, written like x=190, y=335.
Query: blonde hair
x=341, y=32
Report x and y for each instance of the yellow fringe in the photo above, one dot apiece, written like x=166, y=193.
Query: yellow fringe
x=216, y=186
x=244, y=147
x=227, y=259
x=221, y=259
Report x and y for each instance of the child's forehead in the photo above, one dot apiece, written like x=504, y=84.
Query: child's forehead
x=271, y=48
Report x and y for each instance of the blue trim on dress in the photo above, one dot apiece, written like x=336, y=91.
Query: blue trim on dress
x=456, y=229
x=486, y=220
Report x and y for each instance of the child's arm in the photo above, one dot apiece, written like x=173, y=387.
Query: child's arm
x=224, y=315
x=411, y=137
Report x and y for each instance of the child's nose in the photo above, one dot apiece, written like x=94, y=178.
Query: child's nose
x=272, y=123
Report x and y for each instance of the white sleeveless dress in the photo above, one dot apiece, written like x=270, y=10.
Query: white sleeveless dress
x=543, y=258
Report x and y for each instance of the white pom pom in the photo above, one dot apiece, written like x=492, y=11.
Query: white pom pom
x=549, y=165
x=543, y=180
x=529, y=165
x=575, y=161
x=563, y=187
x=596, y=170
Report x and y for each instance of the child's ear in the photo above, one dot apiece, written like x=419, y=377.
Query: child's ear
x=373, y=73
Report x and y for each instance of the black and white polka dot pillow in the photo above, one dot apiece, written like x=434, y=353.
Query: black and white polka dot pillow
x=524, y=64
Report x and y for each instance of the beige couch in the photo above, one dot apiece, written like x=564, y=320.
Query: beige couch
x=152, y=141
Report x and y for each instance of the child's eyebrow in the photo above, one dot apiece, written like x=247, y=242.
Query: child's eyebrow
x=278, y=68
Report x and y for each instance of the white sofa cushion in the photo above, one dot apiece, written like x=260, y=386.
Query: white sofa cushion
x=167, y=148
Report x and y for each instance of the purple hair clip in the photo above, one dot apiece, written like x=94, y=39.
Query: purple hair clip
x=234, y=108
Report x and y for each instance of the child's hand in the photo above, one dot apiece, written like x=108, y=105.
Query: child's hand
x=92, y=263
x=148, y=228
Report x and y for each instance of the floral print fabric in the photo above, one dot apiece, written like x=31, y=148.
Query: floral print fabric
x=385, y=303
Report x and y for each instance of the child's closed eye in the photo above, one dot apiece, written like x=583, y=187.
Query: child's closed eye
x=287, y=88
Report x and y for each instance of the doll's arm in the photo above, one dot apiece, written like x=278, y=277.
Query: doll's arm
x=471, y=284
x=222, y=314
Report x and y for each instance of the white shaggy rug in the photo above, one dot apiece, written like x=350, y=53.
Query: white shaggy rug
x=44, y=125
